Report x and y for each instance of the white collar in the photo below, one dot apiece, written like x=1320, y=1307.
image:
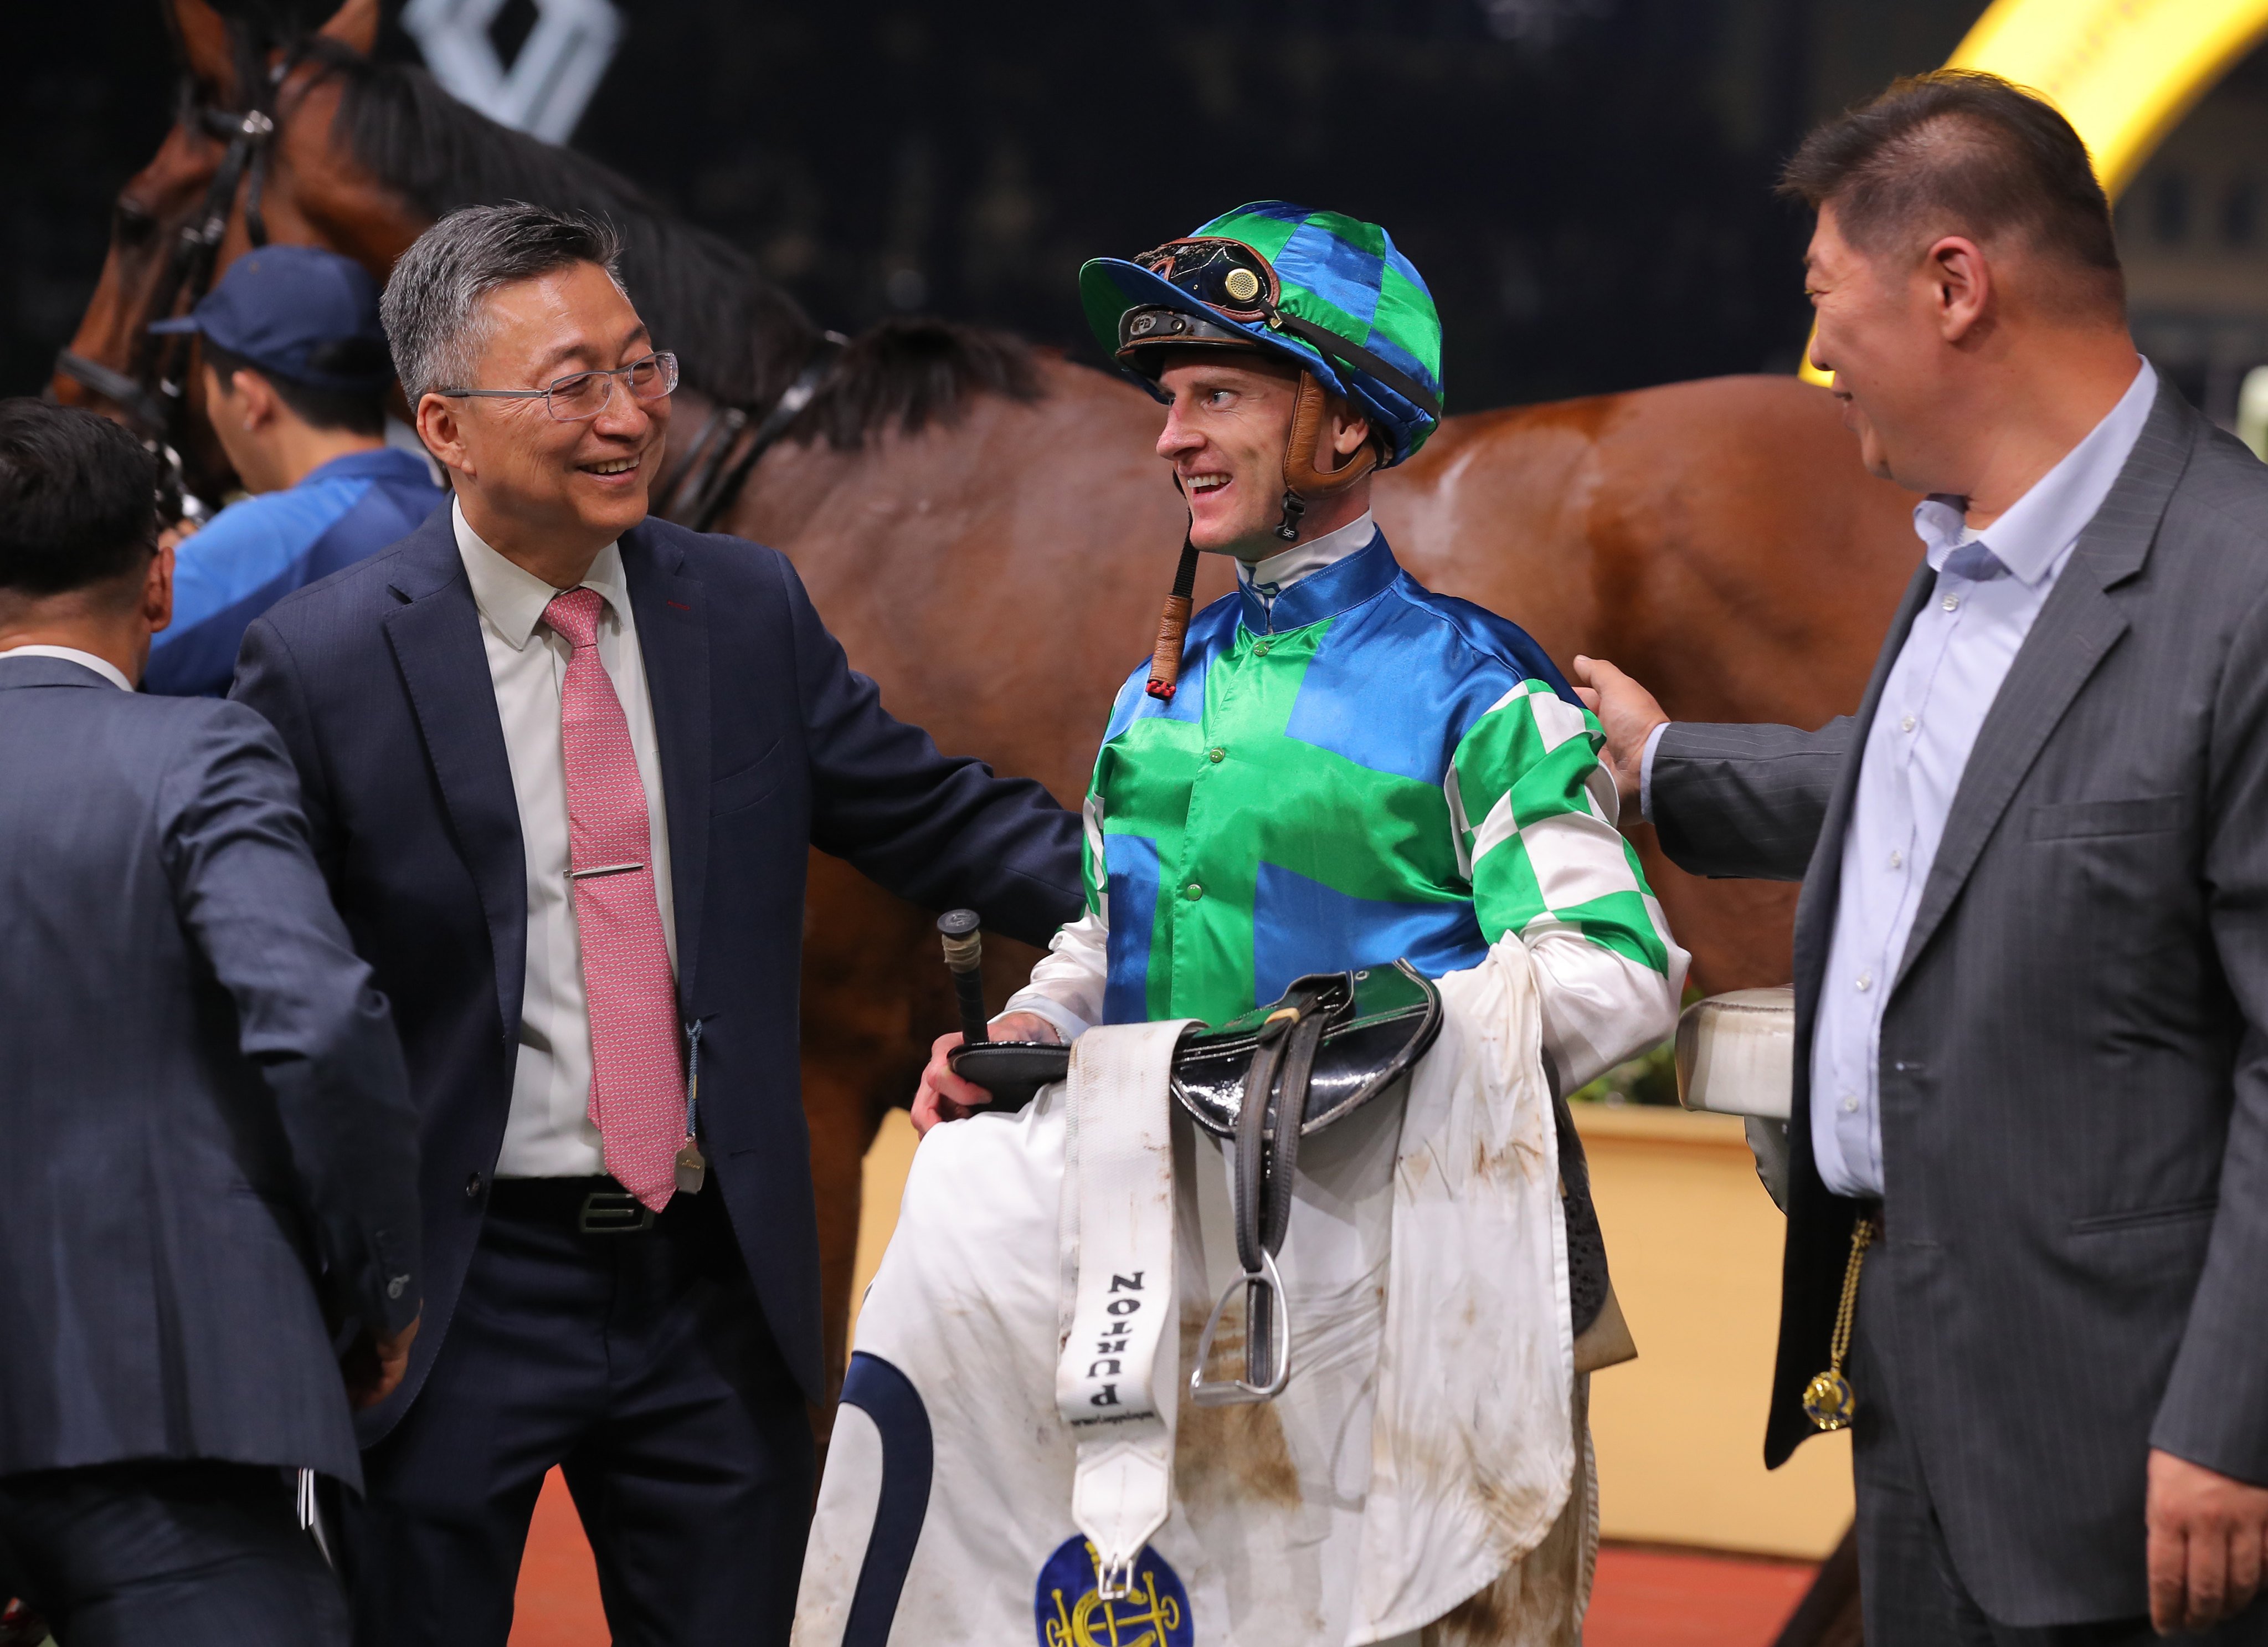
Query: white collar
x=103, y=667
x=1270, y=578
x=2031, y=538
x=512, y=598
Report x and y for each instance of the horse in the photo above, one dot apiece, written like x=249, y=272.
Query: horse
x=984, y=523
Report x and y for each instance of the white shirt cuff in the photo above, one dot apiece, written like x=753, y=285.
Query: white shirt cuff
x=1646, y=772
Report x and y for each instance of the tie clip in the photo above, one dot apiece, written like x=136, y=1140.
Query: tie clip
x=606, y=868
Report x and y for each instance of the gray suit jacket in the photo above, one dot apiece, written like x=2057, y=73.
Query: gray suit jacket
x=2074, y=1054
x=203, y=1107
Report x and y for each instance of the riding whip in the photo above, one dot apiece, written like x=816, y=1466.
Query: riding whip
x=964, y=958
x=1173, y=627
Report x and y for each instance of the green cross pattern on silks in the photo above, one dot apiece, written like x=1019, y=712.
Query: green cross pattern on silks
x=1223, y=794
x=1267, y=796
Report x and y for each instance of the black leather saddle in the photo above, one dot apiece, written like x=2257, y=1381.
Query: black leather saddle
x=1334, y=1043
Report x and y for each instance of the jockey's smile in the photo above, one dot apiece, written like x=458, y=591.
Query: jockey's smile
x=1228, y=416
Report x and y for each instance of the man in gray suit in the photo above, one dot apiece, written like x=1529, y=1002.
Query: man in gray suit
x=205, y=1117
x=2031, y=954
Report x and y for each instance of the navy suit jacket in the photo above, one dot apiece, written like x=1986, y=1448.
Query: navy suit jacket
x=202, y=1107
x=770, y=744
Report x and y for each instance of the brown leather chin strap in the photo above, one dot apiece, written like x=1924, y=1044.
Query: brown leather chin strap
x=1302, y=480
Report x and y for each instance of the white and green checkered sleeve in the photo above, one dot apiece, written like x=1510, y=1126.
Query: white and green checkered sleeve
x=1535, y=814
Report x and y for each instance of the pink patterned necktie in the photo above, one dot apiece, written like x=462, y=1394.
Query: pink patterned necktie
x=638, y=1089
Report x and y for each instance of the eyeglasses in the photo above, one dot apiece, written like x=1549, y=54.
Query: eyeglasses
x=583, y=396
x=1218, y=272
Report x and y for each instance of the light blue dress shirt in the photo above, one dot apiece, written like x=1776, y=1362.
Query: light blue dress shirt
x=1991, y=587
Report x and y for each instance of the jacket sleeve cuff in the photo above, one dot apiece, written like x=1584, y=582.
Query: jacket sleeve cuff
x=1646, y=772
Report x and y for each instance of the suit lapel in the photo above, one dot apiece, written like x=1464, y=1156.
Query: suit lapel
x=2077, y=627
x=436, y=637
x=673, y=626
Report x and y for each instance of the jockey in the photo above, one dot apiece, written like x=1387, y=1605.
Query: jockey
x=1337, y=767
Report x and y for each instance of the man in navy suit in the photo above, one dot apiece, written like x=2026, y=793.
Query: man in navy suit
x=207, y=1126
x=564, y=765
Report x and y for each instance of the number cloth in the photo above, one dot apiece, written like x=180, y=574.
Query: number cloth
x=1429, y=1451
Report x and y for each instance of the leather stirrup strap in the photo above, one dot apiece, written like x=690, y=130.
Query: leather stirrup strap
x=1252, y=1150
x=1289, y=1112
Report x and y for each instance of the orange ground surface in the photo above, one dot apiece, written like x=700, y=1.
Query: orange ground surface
x=1644, y=1598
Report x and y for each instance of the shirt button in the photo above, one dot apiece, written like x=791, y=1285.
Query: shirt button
x=1897, y=858
x=1216, y=755
x=1905, y=723
x=1866, y=981
x=1261, y=650
x=1850, y=1103
x=1951, y=602
x=1193, y=891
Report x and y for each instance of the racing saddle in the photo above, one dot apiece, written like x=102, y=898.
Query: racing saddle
x=1335, y=1043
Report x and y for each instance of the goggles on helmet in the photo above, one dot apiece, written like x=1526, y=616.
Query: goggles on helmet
x=1219, y=273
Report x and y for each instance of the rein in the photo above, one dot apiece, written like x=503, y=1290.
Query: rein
x=713, y=476
x=152, y=390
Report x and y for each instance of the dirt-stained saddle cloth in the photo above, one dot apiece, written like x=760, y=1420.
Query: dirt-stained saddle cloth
x=1338, y=1041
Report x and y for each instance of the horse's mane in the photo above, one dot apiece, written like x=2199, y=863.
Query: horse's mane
x=741, y=339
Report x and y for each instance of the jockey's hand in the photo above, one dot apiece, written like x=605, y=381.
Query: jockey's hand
x=944, y=1096
x=2208, y=1543
x=1629, y=714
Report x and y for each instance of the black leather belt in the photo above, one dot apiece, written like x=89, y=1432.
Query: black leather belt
x=595, y=1206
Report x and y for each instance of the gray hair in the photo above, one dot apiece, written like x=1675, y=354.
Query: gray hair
x=432, y=307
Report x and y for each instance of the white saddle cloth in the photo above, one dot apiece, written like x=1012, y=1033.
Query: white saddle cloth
x=1425, y=1474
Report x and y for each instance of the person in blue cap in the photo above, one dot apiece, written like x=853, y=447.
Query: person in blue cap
x=295, y=372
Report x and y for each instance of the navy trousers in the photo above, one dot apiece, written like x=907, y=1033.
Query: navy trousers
x=1909, y=1591
x=641, y=1365
x=156, y=1554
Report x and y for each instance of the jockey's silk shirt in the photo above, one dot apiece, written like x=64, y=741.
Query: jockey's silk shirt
x=1357, y=772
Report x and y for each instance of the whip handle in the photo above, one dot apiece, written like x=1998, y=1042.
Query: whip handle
x=964, y=957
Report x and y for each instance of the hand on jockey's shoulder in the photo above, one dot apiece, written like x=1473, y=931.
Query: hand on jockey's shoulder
x=1627, y=714
x=943, y=1096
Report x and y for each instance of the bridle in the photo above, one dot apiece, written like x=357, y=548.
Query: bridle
x=725, y=450
x=151, y=391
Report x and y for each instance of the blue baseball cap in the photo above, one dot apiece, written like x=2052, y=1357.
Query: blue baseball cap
x=285, y=308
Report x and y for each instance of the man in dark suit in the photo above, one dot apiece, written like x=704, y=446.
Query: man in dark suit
x=207, y=1123
x=564, y=765
x=2031, y=954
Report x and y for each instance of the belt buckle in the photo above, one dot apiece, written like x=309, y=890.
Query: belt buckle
x=613, y=1212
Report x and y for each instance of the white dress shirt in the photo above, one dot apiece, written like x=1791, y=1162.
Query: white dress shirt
x=548, y=1133
x=103, y=667
x=1933, y=703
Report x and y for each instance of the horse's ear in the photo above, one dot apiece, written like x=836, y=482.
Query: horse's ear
x=354, y=25
x=202, y=33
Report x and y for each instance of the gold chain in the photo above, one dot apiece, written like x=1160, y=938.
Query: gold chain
x=1828, y=1401
x=1862, y=1234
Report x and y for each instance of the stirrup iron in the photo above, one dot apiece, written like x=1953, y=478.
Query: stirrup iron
x=1230, y=1392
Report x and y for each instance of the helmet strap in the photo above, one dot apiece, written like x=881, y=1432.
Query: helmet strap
x=1302, y=480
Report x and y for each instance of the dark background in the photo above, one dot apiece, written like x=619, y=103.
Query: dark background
x=1585, y=184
